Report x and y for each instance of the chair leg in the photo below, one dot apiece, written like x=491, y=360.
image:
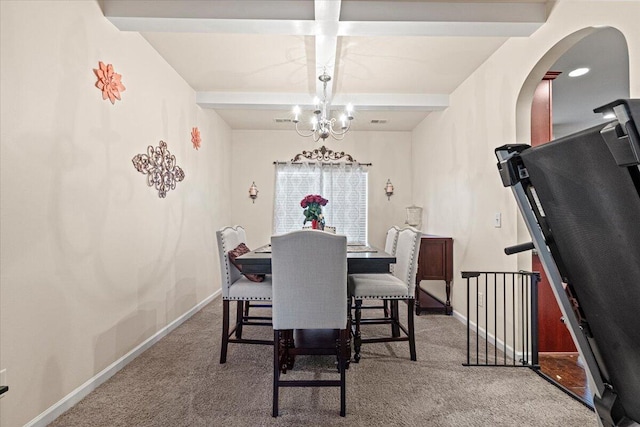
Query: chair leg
x=239, y=318
x=349, y=330
x=412, y=339
x=385, y=307
x=343, y=357
x=395, y=319
x=247, y=305
x=357, y=339
x=276, y=371
x=225, y=331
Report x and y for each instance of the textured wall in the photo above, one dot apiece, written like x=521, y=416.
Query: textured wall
x=93, y=262
x=454, y=168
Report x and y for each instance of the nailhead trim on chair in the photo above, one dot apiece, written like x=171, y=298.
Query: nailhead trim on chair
x=247, y=298
x=384, y=297
x=226, y=260
x=412, y=273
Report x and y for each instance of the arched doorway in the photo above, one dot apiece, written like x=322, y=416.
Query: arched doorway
x=560, y=104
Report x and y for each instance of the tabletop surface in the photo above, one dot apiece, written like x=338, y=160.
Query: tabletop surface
x=360, y=259
x=263, y=253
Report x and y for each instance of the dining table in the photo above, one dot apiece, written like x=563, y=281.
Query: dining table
x=360, y=259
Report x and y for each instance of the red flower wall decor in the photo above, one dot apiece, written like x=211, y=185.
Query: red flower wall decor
x=195, y=137
x=108, y=82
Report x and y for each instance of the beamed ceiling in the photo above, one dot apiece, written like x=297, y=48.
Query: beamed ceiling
x=396, y=61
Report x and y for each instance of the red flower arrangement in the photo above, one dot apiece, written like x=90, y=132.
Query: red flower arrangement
x=312, y=205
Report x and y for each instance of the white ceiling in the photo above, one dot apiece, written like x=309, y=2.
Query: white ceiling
x=605, y=54
x=252, y=60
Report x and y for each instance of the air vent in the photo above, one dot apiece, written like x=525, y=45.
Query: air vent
x=282, y=120
x=378, y=121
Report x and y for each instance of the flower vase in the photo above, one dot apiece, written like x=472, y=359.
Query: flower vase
x=314, y=224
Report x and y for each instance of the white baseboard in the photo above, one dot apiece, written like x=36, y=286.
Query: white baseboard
x=79, y=393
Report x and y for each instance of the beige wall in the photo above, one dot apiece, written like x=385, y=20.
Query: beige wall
x=454, y=168
x=255, y=151
x=93, y=262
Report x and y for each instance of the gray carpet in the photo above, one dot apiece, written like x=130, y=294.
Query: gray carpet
x=179, y=382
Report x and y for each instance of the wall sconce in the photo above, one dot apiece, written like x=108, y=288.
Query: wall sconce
x=388, y=189
x=253, y=192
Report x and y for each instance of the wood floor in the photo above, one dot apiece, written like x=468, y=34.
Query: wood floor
x=566, y=370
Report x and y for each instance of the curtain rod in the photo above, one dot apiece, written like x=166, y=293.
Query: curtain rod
x=323, y=163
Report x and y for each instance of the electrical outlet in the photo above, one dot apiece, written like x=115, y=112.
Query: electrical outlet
x=497, y=220
x=480, y=299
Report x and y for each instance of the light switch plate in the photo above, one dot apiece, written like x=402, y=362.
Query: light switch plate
x=497, y=221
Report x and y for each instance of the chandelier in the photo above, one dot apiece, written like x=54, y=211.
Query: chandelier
x=321, y=125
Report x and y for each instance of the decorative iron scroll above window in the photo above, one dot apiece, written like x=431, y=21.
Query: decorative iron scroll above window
x=160, y=167
x=323, y=154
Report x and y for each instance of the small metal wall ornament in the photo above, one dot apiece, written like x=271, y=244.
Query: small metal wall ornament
x=388, y=189
x=160, y=167
x=253, y=192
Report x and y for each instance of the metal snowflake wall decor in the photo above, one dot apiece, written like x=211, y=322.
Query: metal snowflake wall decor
x=160, y=167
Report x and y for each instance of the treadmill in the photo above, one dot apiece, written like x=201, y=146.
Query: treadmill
x=580, y=199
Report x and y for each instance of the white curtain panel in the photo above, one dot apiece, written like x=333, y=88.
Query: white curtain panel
x=344, y=185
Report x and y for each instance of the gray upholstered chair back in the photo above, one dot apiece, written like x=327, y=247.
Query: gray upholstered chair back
x=228, y=239
x=407, y=250
x=392, y=240
x=309, y=276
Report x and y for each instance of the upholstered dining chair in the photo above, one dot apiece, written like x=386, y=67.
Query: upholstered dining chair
x=392, y=287
x=239, y=288
x=309, y=273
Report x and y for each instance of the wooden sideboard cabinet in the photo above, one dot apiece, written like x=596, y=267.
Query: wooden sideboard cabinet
x=435, y=262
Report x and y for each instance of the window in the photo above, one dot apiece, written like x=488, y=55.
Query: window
x=344, y=185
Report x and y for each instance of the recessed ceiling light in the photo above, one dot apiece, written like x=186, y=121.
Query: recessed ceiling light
x=578, y=72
